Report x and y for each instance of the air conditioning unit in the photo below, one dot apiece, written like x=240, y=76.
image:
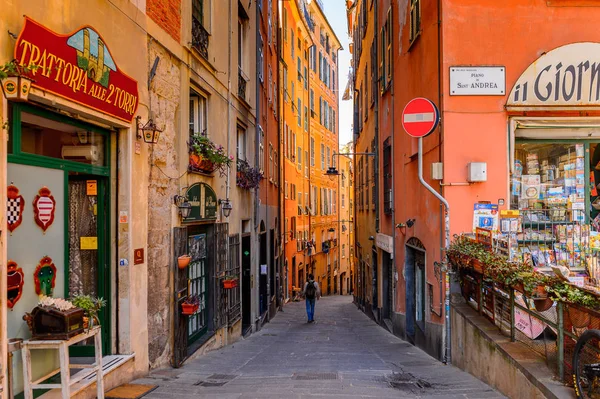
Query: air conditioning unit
x=80, y=152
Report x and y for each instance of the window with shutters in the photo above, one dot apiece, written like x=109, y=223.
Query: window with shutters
x=305, y=118
x=286, y=190
x=322, y=156
x=387, y=177
x=312, y=152
x=382, y=72
x=292, y=47
x=306, y=164
x=373, y=72
x=284, y=24
x=276, y=168
x=285, y=85
x=299, y=158
x=271, y=162
x=261, y=150
x=415, y=20
x=388, y=43
x=305, y=78
x=328, y=157
x=299, y=112
x=343, y=200
x=312, y=103
x=285, y=230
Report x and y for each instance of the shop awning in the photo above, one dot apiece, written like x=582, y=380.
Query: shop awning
x=580, y=128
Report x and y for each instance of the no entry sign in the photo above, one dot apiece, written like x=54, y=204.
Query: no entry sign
x=420, y=117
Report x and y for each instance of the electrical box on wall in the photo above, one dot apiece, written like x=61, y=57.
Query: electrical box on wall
x=437, y=171
x=476, y=172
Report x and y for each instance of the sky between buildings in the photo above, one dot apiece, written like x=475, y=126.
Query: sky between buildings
x=335, y=11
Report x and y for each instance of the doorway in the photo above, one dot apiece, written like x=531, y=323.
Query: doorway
x=246, y=284
x=415, y=289
x=264, y=277
x=388, y=286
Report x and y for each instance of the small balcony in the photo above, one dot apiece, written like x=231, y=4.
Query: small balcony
x=199, y=38
x=242, y=84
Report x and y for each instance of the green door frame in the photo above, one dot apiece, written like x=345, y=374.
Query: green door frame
x=102, y=175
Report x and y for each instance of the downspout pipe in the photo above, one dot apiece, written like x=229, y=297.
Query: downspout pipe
x=446, y=335
x=446, y=338
x=257, y=127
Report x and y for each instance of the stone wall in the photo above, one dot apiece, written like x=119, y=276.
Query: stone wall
x=163, y=185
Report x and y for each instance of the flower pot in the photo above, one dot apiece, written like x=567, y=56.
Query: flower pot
x=542, y=304
x=16, y=88
x=229, y=284
x=183, y=261
x=188, y=309
x=579, y=318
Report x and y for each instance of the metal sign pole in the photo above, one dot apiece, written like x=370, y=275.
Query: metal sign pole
x=446, y=344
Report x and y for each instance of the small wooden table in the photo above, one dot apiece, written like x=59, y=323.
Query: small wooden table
x=65, y=366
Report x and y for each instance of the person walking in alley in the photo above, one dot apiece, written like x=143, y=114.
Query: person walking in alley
x=311, y=293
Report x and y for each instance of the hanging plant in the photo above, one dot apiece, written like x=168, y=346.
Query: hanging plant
x=247, y=177
x=206, y=156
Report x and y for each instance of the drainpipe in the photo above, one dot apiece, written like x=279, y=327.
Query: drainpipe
x=257, y=150
x=446, y=336
x=228, y=120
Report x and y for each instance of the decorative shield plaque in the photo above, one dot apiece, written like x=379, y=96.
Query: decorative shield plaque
x=15, y=280
x=45, y=277
x=43, y=208
x=14, y=208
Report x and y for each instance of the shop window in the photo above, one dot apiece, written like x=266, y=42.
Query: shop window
x=554, y=187
x=50, y=138
x=241, y=142
x=387, y=178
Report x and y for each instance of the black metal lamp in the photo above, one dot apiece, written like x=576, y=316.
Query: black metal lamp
x=332, y=172
x=226, y=207
x=149, y=131
x=184, y=206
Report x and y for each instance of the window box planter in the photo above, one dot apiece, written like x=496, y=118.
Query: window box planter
x=15, y=81
x=188, y=309
x=206, y=156
x=230, y=284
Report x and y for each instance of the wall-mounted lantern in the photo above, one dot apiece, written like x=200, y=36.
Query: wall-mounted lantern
x=149, y=131
x=183, y=205
x=226, y=207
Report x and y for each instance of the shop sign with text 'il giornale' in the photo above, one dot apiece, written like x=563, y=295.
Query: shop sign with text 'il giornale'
x=77, y=66
x=566, y=77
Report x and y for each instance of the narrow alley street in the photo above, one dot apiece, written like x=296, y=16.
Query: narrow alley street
x=343, y=355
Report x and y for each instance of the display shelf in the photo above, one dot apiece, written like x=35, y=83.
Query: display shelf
x=546, y=222
x=534, y=241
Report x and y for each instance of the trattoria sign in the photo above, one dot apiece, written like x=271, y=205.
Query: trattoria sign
x=77, y=66
x=568, y=76
x=204, y=202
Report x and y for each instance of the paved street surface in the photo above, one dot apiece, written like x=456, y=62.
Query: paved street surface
x=343, y=355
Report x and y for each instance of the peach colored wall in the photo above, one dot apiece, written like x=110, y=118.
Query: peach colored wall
x=512, y=33
x=415, y=75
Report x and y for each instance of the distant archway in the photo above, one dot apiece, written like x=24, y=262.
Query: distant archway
x=415, y=243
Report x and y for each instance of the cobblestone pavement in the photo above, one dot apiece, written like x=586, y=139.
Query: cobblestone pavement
x=344, y=354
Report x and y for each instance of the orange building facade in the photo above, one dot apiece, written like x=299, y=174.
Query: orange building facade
x=515, y=85
x=309, y=113
x=324, y=232
x=294, y=88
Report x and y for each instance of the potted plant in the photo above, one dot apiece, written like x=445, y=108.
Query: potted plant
x=206, y=156
x=576, y=300
x=190, y=305
x=230, y=282
x=16, y=80
x=183, y=261
x=247, y=177
x=91, y=306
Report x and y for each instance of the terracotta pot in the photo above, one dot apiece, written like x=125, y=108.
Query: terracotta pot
x=478, y=266
x=229, y=284
x=197, y=162
x=183, y=261
x=579, y=318
x=188, y=309
x=540, y=291
x=519, y=287
x=542, y=304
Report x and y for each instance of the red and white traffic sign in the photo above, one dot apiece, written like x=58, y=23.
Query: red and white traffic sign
x=420, y=117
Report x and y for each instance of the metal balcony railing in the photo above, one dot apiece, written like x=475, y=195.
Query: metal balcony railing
x=242, y=83
x=199, y=38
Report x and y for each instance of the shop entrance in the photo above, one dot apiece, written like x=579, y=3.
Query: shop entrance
x=59, y=173
x=388, y=286
x=414, y=270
